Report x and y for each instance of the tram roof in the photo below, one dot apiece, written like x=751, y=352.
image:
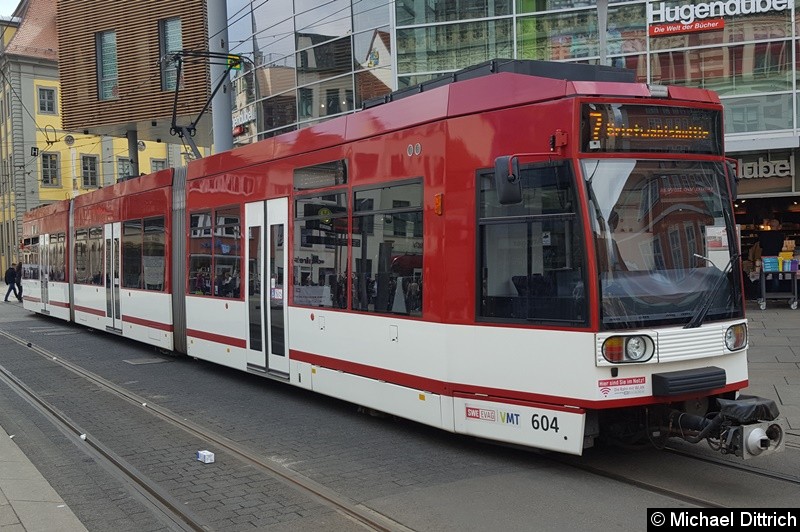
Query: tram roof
x=130, y=186
x=45, y=211
x=492, y=85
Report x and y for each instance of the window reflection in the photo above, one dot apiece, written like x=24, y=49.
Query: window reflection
x=56, y=257
x=30, y=258
x=558, y=36
x=132, y=254
x=143, y=255
x=153, y=254
x=412, y=12
x=370, y=14
x=326, y=99
x=320, y=251
x=372, y=49
x=215, y=256
x=273, y=26
x=319, y=62
x=758, y=113
x=453, y=46
x=387, y=250
x=82, y=272
x=280, y=111
x=331, y=18
x=742, y=69
x=525, y=6
x=372, y=84
x=96, y=245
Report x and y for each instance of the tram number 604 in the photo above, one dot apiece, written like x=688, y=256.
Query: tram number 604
x=545, y=423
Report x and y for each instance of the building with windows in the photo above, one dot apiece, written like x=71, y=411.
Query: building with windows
x=313, y=60
x=124, y=75
x=42, y=157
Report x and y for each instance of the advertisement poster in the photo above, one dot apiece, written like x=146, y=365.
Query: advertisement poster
x=716, y=238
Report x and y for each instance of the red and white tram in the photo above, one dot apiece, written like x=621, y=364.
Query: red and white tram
x=535, y=253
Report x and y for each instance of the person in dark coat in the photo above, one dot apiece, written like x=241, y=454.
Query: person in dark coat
x=11, y=281
x=19, y=281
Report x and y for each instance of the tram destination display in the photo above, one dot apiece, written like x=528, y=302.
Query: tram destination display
x=650, y=128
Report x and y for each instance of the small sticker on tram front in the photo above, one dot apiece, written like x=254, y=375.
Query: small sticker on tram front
x=623, y=387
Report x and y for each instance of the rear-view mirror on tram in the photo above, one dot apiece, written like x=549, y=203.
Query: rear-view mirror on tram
x=506, y=180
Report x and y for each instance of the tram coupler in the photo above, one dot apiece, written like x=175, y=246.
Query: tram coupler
x=745, y=427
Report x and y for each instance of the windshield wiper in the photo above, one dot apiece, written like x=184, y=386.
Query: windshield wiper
x=705, y=304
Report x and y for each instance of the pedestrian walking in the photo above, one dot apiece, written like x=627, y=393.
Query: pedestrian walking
x=19, y=281
x=11, y=281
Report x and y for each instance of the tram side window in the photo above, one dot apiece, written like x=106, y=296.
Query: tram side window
x=83, y=274
x=200, y=253
x=30, y=258
x=532, y=260
x=89, y=245
x=320, y=251
x=154, y=253
x=143, y=247
x=215, y=252
x=227, y=252
x=96, y=250
x=132, y=254
x=387, y=249
x=57, y=257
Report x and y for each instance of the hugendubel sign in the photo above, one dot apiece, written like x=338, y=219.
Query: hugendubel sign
x=765, y=175
x=663, y=19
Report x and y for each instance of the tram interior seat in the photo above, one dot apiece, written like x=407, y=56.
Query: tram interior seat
x=556, y=294
x=536, y=284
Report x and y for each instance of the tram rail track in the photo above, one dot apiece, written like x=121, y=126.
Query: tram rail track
x=738, y=466
x=640, y=484
x=587, y=465
x=168, y=507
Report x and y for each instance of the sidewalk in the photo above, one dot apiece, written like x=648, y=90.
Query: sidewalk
x=27, y=501
x=774, y=358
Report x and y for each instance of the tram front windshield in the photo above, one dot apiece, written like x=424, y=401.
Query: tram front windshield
x=665, y=239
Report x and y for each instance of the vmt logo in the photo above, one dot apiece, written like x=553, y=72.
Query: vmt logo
x=509, y=418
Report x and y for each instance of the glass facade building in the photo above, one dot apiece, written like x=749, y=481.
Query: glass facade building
x=313, y=60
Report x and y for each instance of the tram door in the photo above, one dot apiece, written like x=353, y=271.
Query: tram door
x=266, y=300
x=44, y=271
x=111, y=233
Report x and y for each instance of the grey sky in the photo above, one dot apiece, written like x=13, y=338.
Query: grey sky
x=7, y=7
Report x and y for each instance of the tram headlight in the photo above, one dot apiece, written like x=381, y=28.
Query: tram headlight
x=736, y=337
x=635, y=348
x=625, y=349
